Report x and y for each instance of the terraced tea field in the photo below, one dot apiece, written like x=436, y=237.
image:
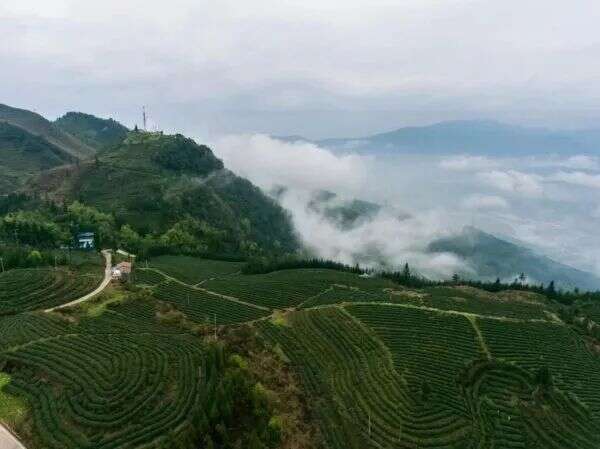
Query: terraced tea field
x=193, y=270
x=121, y=381
x=40, y=288
x=382, y=366
x=290, y=288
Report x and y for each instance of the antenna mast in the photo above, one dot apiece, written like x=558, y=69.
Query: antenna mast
x=144, y=116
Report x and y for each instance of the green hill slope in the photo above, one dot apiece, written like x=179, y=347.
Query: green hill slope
x=23, y=155
x=94, y=131
x=37, y=125
x=379, y=365
x=157, y=183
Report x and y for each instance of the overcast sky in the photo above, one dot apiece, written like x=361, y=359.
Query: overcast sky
x=312, y=67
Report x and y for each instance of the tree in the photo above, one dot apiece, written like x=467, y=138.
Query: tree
x=129, y=239
x=455, y=278
x=406, y=271
x=34, y=258
x=551, y=289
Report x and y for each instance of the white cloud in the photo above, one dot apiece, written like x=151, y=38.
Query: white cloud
x=477, y=201
x=467, y=163
x=578, y=178
x=513, y=181
x=300, y=165
x=582, y=162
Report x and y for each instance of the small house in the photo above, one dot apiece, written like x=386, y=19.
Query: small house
x=121, y=270
x=85, y=240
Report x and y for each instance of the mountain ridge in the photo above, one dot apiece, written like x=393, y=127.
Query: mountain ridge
x=488, y=137
x=38, y=125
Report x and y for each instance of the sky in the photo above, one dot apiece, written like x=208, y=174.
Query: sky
x=315, y=68
x=232, y=73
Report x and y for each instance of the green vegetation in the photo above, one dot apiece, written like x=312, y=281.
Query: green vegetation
x=288, y=288
x=35, y=289
x=38, y=126
x=123, y=377
x=203, y=307
x=23, y=155
x=382, y=365
x=197, y=210
x=193, y=270
x=96, y=132
x=12, y=409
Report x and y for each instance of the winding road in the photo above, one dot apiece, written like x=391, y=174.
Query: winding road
x=8, y=440
x=107, y=278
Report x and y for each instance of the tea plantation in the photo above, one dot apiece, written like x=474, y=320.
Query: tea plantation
x=381, y=365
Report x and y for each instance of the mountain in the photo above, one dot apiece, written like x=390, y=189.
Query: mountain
x=23, y=155
x=94, y=131
x=159, y=183
x=492, y=257
x=476, y=137
x=344, y=213
x=37, y=125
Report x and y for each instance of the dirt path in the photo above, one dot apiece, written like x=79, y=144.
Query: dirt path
x=8, y=440
x=208, y=292
x=107, y=277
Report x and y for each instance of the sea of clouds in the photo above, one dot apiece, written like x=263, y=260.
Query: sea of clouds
x=551, y=203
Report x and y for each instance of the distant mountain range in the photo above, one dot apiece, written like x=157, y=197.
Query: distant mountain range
x=470, y=137
x=493, y=258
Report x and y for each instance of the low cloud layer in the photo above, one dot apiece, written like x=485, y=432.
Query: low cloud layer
x=546, y=204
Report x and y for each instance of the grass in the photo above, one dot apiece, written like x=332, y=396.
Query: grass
x=12, y=409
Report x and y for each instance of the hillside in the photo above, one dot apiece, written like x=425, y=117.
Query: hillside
x=159, y=183
x=473, y=137
x=201, y=355
x=96, y=132
x=23, y=155
x=492, y=257
x=37, y=125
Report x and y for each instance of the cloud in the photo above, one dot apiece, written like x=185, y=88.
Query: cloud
x=513, y=181
x=385, y=240
x=390, y=238
x=578, y=178
x=477, y=202
x=423, y=199
x=467, y=163
x=582, y=162
x=322, y=68
x=300, y=165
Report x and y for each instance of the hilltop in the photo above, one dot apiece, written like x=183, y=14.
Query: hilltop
x=94, y=131
x=39, y=126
